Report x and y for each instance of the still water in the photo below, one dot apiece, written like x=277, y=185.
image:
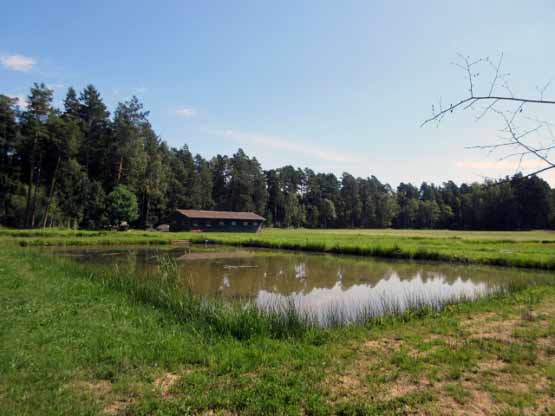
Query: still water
x=319, y=285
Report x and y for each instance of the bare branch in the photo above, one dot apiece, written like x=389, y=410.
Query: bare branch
x=541, y=91
x=484, y=98
x=487, y=109
x=517, y=139
x=517, y=169
x=490, y=146
x=510, y=155
x=523, y=176
x=497, y=68
x=512, y=135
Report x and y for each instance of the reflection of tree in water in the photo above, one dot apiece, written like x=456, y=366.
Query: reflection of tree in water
x=299, y=273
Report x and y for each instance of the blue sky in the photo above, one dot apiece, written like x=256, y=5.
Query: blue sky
x=336, y=86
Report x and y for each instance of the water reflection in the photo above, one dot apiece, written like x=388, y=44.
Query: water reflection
x=388, y=295
x=317, y=285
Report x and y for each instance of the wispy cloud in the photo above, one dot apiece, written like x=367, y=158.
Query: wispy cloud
x=56, y=86
x=501, y=165
x=287, y=144
x=186, y=112
x=21, y=100
x=17, y=62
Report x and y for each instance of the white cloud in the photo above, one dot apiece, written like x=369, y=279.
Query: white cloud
x=17, y=62
x=186, y=112
x=282, y=143
x=21, y=100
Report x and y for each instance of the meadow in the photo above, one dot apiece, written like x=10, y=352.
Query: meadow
x=533, y=249
x=81, y=340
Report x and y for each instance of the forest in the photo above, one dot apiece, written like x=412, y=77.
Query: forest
x=81, y=166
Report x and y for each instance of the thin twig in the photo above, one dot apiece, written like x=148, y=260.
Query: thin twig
x=482, y=98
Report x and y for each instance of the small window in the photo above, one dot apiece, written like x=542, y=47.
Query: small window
x=245, y=223
x=195, y=224
x=221, y=223
x=208, y=224
x=234, y=223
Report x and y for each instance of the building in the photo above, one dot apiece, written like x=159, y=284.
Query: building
x=199, y=220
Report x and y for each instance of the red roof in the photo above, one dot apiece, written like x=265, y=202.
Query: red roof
x=220, y=215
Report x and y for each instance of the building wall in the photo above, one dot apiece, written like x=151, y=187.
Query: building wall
x=180, y=222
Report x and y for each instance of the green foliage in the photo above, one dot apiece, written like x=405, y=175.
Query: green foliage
x=122, y=205
x=56, y=161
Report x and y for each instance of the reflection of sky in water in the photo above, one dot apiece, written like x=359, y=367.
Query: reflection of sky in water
x=389, y=294
x=300, y=271
x=225, y=283
x=318, y=285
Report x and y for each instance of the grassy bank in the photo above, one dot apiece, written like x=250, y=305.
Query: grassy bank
x=64, y=237
x=76, y=341
x=532, y=249
x=508, y=253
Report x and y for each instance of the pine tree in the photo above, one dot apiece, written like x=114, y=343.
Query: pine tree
x=94, y=152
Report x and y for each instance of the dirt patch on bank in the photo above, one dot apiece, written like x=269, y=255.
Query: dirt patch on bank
x=165, y=383
x=102, y=391
x=490, y=386
x=117, y=407
x=490, y=326
x=99, y=389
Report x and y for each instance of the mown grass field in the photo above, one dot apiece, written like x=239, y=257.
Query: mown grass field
x=82, y=340
x=535, y=249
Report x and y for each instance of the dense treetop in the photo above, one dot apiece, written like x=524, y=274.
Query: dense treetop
x=82, y=166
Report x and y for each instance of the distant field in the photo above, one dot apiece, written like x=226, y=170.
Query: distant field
x=534, y=235
x=537, y=235
x=533, y=249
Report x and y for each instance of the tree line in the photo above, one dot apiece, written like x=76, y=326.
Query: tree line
x=81, y=166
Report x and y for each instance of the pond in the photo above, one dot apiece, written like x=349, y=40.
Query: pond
x=321, y=286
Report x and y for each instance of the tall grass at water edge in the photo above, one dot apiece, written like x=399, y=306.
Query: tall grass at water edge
x=169, y=291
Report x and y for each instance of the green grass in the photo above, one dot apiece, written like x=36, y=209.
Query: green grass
x=75, y=340
x=67, y=333
x=531, y=249
x=82, y=340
